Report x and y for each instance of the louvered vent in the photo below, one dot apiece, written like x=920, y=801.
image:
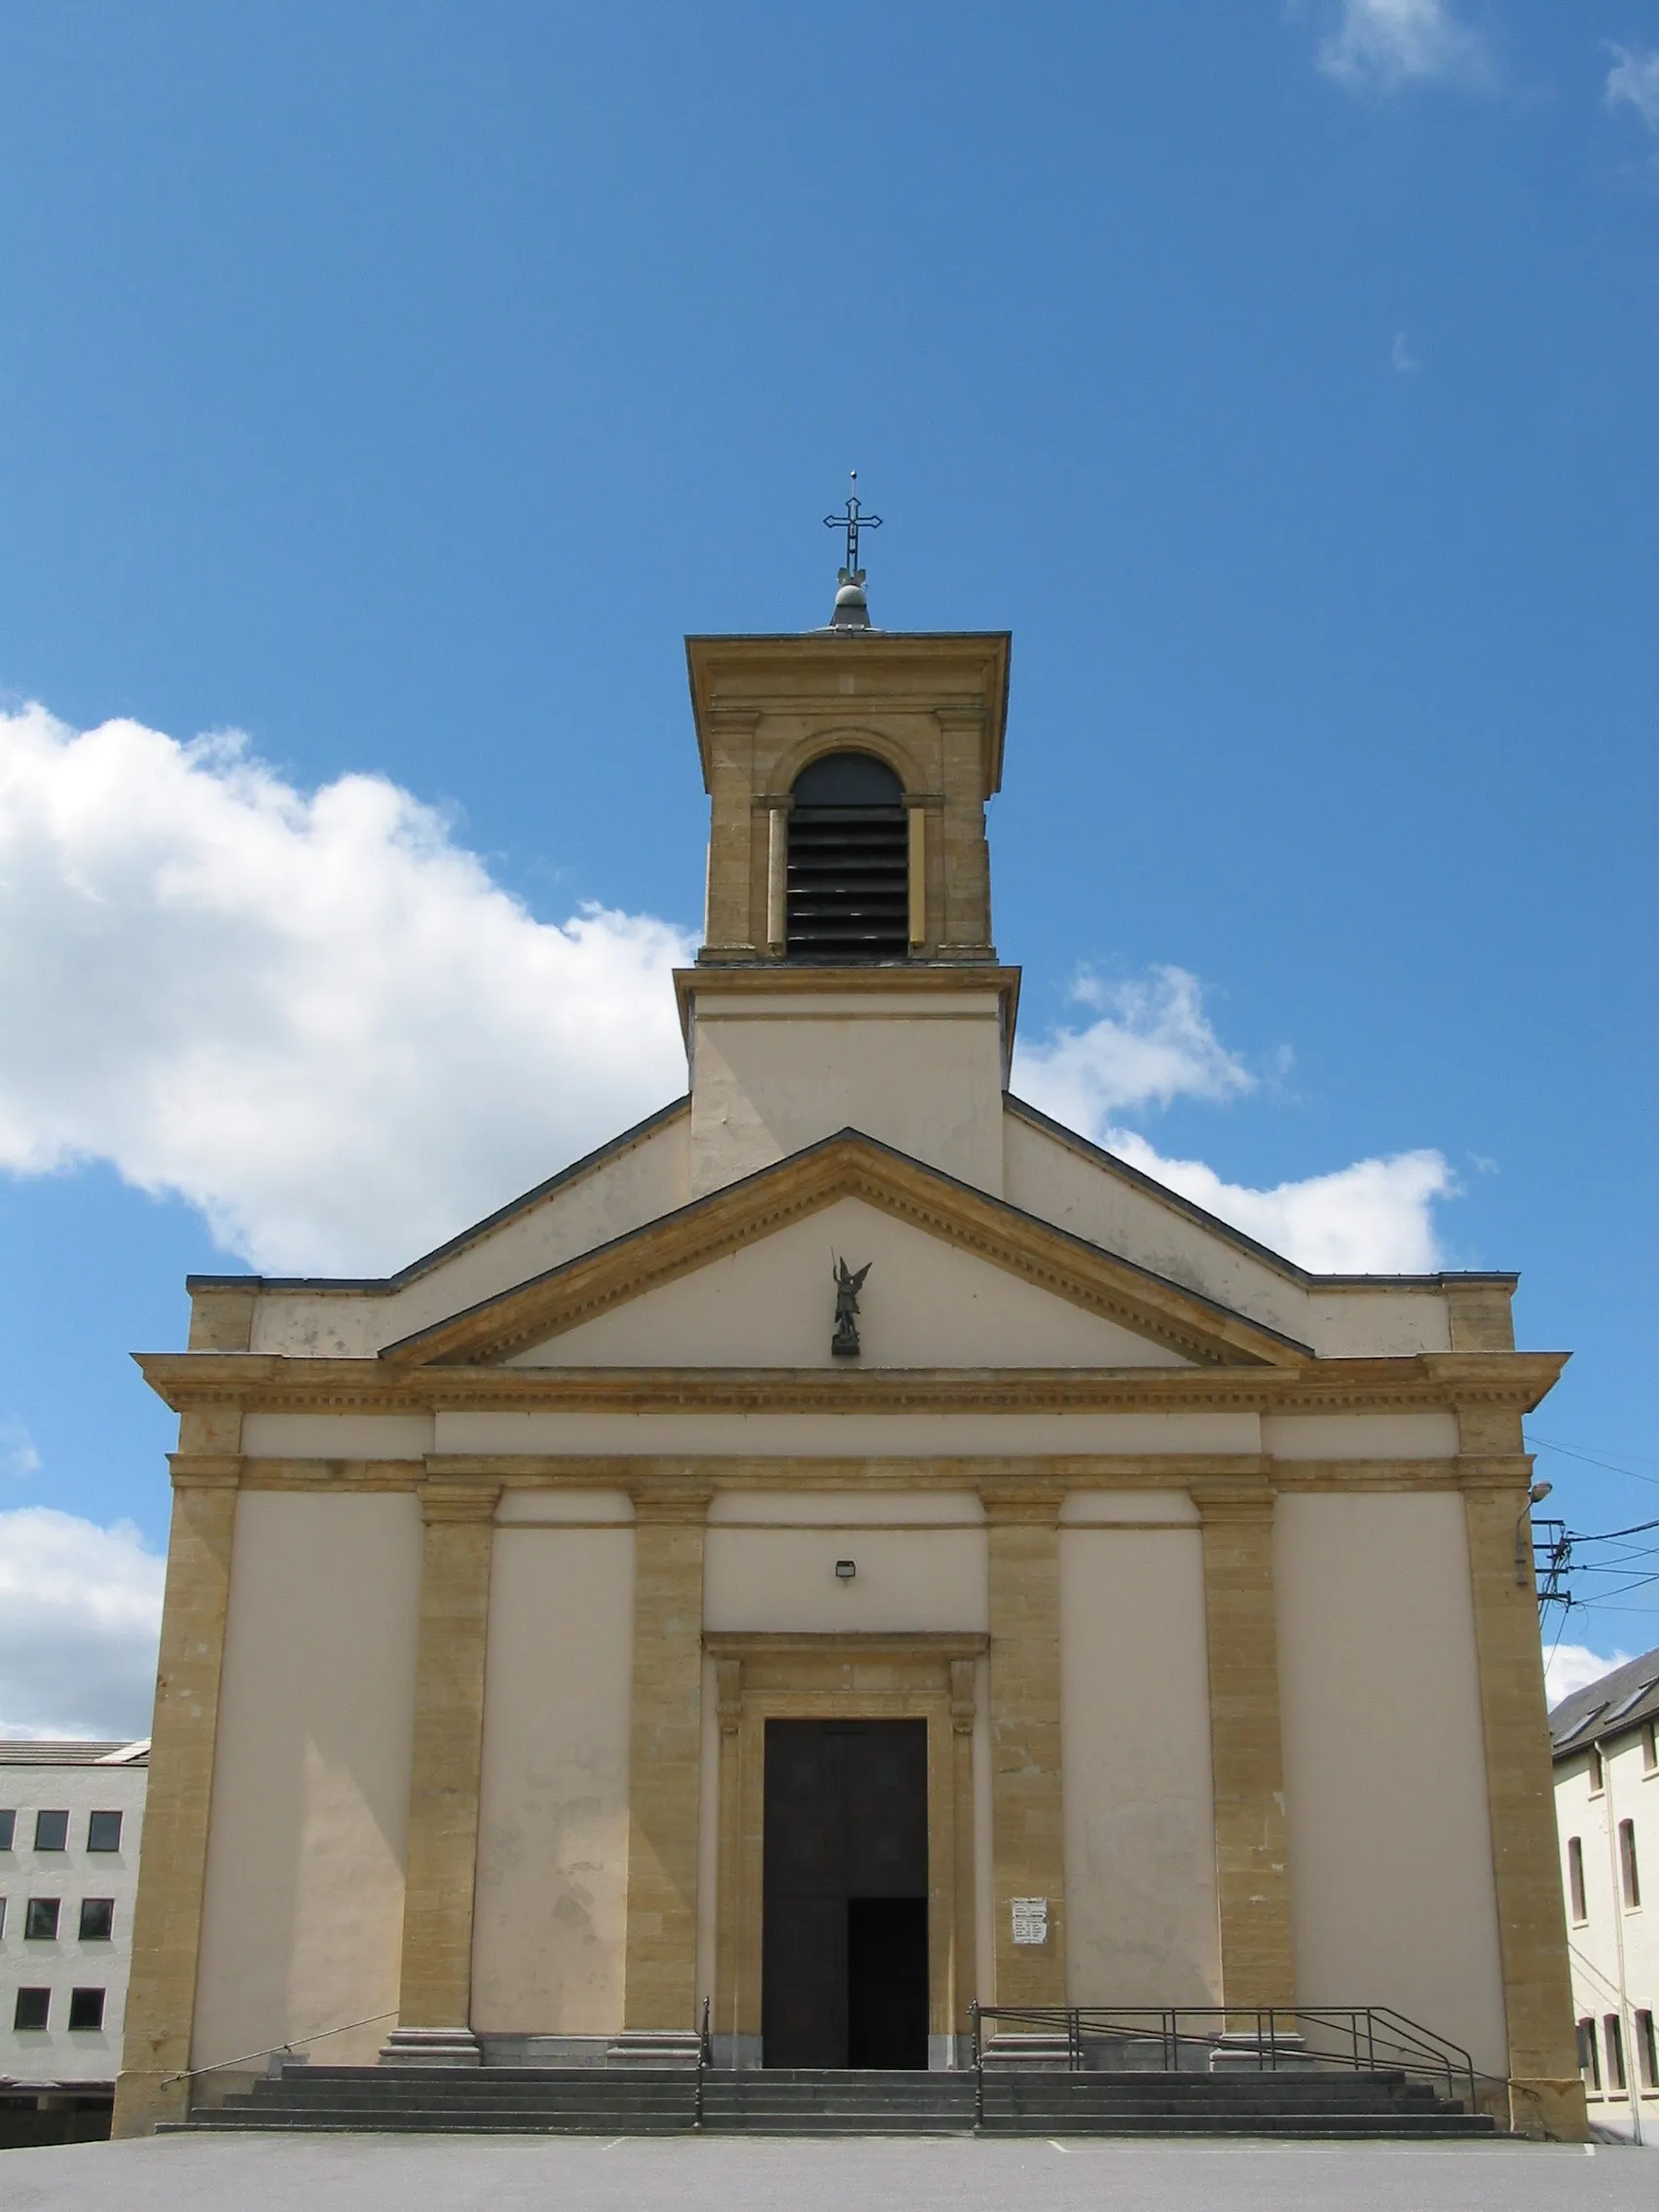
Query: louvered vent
x=849, y=862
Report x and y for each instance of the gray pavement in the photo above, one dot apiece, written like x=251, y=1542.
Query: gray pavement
x=344, y=2173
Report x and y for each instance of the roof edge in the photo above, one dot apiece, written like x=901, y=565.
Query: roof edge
x=387, y=1284
x=1290, y=1268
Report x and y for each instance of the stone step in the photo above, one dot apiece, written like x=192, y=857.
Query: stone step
x=636, y=2099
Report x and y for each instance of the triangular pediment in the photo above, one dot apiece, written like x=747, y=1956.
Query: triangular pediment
x=867, y=1189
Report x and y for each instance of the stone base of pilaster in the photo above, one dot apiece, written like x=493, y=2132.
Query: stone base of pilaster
x=1549, y=2111
x=660, y=2047
x=431, y=2046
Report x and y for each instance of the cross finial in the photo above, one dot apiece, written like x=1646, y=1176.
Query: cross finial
x=852, y=521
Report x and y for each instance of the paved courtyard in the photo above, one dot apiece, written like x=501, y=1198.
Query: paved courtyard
x=340, y=2173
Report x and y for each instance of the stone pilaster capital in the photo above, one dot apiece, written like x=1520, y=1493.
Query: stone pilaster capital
x=1036, y=1505
x=1232, y=1501
x=686, y=1503
x=443, y=1498
x=204, y=1470
x=1509, y=1471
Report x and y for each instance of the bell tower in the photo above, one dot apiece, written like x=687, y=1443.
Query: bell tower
x=847, y=976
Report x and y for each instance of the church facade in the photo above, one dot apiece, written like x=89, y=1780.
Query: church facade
x=849, y=1548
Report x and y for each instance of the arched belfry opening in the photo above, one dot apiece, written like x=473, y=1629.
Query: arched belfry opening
x=848, y=884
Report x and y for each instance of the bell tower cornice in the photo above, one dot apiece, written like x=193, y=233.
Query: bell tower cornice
x=905, y=875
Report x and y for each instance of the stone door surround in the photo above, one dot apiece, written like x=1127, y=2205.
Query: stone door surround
x=879, y=1676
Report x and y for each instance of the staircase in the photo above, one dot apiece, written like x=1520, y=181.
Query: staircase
x=603, y=2100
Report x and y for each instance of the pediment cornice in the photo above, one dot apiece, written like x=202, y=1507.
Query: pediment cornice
x=848, y=1165
x=1421, y=1381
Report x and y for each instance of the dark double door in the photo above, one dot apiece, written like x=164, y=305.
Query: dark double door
x=844, y=1942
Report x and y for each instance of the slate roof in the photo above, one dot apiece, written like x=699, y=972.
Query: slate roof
x=31, y=1750
x=1624, y=1699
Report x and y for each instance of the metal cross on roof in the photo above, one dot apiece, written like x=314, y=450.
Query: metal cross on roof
x=852, y=521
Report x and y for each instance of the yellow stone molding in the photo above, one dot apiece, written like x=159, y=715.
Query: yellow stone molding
x=167, y=1923
x=1246, y=1756
x=921, y=1675
x=436, y=1984
x=221, y=1317
x=664, y=1757
x=1027, y=1822
x=1479, y=1314
x=1494, y=1387
x=1546, y=2093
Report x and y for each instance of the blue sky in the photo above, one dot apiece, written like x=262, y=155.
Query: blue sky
x=397, y=384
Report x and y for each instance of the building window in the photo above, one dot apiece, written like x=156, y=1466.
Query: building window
x=1629, y=1872
x=40, y=1921
x=1646, y=2050
x=85, y=2007
x=1613, y=2038
x=1596, y=1770
x=32, y=2007
x=1649, y=1751
x=7, y=1829
x=1575, y=1877
x=2, y=1916
x=848, y=883
x=97, y=1919
x=103, y=1831
x=52, y=1832
x=1589, y=2062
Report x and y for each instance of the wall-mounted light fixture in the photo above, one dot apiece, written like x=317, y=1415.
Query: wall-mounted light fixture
x=845, y=1570
x=1534, y=1497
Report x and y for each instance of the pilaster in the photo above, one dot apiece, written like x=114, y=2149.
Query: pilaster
x=435, y=1989
x=167, y=1922
x=1546, y=2093
x=1247, y=1763
x=665, y=1759
x=1027, y=1829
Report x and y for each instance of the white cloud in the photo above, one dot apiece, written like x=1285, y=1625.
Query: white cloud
x=80, y=1614
x=313, y=1016
x=19, y=1458
x=1376, y=1217
x=1381, y=45
x=1404, y=360
x=317, y=1020
x=1573, y=1667
x=1152, y=1044
x=1155, y=1043
x=1632, y=81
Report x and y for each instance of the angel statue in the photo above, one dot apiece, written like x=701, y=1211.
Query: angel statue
x=844, y=1343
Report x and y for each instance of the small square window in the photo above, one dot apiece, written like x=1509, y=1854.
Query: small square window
x=97, y=1919
x=40, y=1921
x=52, y=1832
x=85, y=2007
x=7, y=1829
x=103, y=1831
x=32, y=2007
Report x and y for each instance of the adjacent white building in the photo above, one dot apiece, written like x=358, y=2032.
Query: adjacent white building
x=1606, y=1787
x=70, y=1820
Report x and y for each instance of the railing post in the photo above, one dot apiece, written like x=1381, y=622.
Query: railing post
x=973, y=2019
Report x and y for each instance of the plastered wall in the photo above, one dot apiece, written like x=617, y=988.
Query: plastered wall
x=303, y=1908
x=550, y=1913
x=925, y=1304
x=1139, y=1825
x=766, y=1084
x=1391, y=1885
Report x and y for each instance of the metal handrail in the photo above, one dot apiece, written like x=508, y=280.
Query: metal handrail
x=1366, y=2038
x=705, y=2059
